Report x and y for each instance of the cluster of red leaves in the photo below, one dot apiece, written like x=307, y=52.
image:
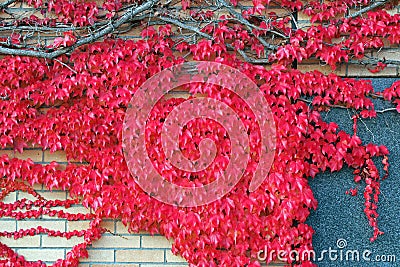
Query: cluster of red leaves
x=77, y=13
x=80, y=110
x=327, y=10
x=325, y=42
x=393, y=94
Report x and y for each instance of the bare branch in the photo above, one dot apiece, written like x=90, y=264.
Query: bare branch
x=205, y=35
x=251, y=60
x=6, y=4
x=126, y=17
x=368, y=8
x=249, y=26
x=374, y=61
x=65, y=65
x=373, y=95
x=386, y=110
x=187, y=27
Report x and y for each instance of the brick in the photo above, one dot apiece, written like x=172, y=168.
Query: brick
x=62, y=166
x=139, y=255
x=279, y=11
x=22, y=195
x=60, y=242
x=169, y=265
x=10, y=153
x=10, y=198
x=5, y=16
x=38, y=186
x=35, y=155
x=387, y=44
x=302, y=16
x=8, y=226
x=117, y=242
x=303, y=24
x=100, y=255
x=56, y=225
x=109, y=225
x=78, y=209
x=134, y=32
x=50, y=195
x=121, y=228
x=80, y=163
x=42, y=254
x=58, y=156
x=326, y=69
x=156, y=242
x=360, y=71
x=393, y=54
x=77, y=225
x=114, y=265
x=24, y=242
x=33, y=145
x=173, y=258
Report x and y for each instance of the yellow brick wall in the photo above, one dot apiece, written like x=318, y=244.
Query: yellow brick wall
x=117, y=247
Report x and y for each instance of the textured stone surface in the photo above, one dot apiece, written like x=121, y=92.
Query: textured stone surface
x=340, y=216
